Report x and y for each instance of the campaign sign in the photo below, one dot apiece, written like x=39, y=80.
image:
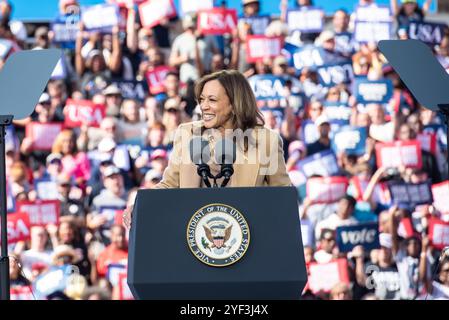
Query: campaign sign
x=124, y=291
x=18, y=227
x=331, y=75
x=399, y=153
x=344, y=43
x=193, y=6
x=410, y=194
x=428, y=142
x=440, y=192
x=41, y=212
x=427, y=32
x=46, y=189
x=322, y=164
x=102, y=17
x=114, y=269
x=308, y=56
x=21, y=293
x=324, y=276
x=337, y=110
x=153, y=11
x=326, y=190
x=217, y=21
x=78, y=112
x=307, y=233
x=132, y=89
x=373, y=13
x=267, y=87
x=112, y=214
x=155, y=79
x=350, y=140
x=43, y=135
x=65, y=32
x=52, y=280
x=258, y=23
x=440, y=132
x=368, y=91
x=366, y=235
x=369, y=32
x=259, y=47
x=439, y=233
x=306, y=20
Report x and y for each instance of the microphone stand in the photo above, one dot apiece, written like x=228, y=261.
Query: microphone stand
x=4, y=258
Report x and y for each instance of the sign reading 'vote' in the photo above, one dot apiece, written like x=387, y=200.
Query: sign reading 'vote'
x=366, y=235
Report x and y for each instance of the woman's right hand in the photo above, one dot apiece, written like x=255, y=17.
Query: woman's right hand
x=127, y=217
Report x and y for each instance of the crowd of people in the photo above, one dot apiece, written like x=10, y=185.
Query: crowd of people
x=94, y=168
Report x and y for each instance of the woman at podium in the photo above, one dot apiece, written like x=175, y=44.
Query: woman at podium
x=229, y=111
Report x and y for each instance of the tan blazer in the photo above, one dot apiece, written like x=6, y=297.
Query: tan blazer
x=249, y=170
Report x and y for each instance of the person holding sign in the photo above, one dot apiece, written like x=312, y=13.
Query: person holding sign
x=408, y=11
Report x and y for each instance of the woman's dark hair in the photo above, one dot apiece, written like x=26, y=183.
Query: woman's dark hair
x=246, y=114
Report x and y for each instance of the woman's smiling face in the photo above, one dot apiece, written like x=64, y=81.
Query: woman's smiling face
x=215, y=106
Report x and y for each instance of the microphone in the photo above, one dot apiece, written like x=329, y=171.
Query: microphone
x=200, y=155
x=225, y=155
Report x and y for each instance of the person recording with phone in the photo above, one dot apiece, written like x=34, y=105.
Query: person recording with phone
x=230, y=145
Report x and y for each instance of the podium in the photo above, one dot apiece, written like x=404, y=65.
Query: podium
x=216, y=244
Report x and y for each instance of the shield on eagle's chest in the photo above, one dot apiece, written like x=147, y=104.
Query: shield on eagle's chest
x=218, y=242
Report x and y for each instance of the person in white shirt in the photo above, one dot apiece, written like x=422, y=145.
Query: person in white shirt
x=38, y=255
x=343, y=216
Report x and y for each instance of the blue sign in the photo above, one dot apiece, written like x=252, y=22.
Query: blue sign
x=350, y=140
x=408, y=195
x=305, y=19
x=428, y=32
x=367, y=91
x=337, y=110
x=440, y=132
x=322, y=164
x=65, y=29
x=344, y=43
x=366, y=235
x=308, y=56
x=52, y=281
x=267, y=87
x=132, y=89
x=332, y=74
x=258, y=24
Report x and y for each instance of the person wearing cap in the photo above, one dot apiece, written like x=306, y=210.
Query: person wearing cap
x=327, y=245
x=68, y=6
x=190, y=52
x=174, y=114
x=114, y=99
x=324, y=142
x=151, y=179
x=297, y=150
x=159, y=160
x=71, y=200
x=279, y=66
x=381, y=276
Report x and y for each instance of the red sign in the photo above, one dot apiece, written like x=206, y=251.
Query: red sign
x=439, y=233
x=78, y=112
x=41, y=212
x=399, y=153
x=428, y=142
x=155, y=79
x=217, y=21
x=440, y=192
x=326, y=190
x=21, y=293
x=124, y=291
x=153, y=11
x=405, y=228
x=18, y=227
x=260, y=47
x=324, y=276
x=43, y=134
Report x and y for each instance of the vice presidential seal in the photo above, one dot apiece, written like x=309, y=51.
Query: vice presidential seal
x=218, y=235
